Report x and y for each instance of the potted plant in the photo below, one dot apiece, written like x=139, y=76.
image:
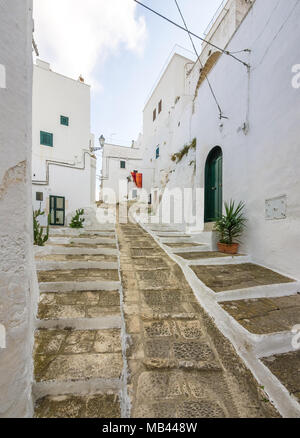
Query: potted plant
x=230, y=227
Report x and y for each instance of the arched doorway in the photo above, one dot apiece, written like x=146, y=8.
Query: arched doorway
x=213, y=185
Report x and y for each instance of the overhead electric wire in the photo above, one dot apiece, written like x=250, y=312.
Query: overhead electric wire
x=226, y=52
x=201, y=65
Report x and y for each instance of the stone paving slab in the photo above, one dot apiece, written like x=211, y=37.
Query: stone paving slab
x=267, y=315
x=64, y=355
x=176, y=369
x=85, y=304
x=145, y=252
x=78, y=257
x=75, y=406
x=183, y=395
x=286, y=367
x=78, y=275
x=222, y=278
x=203, y=255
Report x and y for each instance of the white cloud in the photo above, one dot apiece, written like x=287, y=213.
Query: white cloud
x=76, y=35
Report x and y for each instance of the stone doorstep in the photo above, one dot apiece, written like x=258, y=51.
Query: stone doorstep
x=79, y=406
x=266, y=315
x=221, y=278
x=67, y=355
x=286, y=367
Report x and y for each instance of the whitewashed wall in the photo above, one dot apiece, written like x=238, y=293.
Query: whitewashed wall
x=18, y=284
x=55, y=95
x=264, y=163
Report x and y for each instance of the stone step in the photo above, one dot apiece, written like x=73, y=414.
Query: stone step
x=83, y=309
x=83, y=246
x=109, y=258
x=67, y=265
x=286, y=368
x=78, y=275
x=66, y=250
x=182, y=239
x=79, y=406
x=266, y=315
x=170, y=234
x=83, y=235
x=65, y=357
x=82, y=240
x=212, y=258
x=221, y=278
x=185, y=246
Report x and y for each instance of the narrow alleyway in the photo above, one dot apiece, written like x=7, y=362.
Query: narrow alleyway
x=180, y=365
x=120, y=332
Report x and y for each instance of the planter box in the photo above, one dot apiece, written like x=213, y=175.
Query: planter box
x=228, y=249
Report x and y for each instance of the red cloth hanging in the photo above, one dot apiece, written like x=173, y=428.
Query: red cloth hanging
x=139, y=180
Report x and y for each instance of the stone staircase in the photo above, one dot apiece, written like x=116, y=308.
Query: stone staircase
x=78, y=352
x=256, y=308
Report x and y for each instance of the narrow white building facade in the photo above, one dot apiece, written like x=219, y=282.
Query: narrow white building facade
x=124, y=174
x=63, y=164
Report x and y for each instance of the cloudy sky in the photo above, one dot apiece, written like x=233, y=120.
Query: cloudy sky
x=119, y=48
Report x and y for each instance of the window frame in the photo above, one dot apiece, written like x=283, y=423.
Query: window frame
x=154, y=115
x=160, y=106
x=43, y=141
x=64, y=118
x=157, y=153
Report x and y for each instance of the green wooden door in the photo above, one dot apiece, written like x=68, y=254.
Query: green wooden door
x=57, y=210
x=214, y=185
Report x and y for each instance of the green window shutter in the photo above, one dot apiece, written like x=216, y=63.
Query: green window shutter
x=64, y=120
x=157, y=153
x=46, y=139
x=123, y=164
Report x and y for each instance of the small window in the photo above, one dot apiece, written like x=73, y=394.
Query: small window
x=157, y=152
x=46, y=139
x=39, y=196
x=154, y=114
x=123, y=164
x=160, y=107
x=64, y=120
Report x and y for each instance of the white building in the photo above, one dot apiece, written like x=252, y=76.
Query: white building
x=252, y=155
x=123, y=174
x=63, y=166
x=167, y=116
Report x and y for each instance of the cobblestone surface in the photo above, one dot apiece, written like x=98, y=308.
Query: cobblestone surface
x=180, y=365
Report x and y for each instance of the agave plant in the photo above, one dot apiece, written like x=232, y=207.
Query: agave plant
x=232, y=224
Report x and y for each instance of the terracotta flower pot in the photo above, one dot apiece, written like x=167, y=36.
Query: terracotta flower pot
x=228, y=249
